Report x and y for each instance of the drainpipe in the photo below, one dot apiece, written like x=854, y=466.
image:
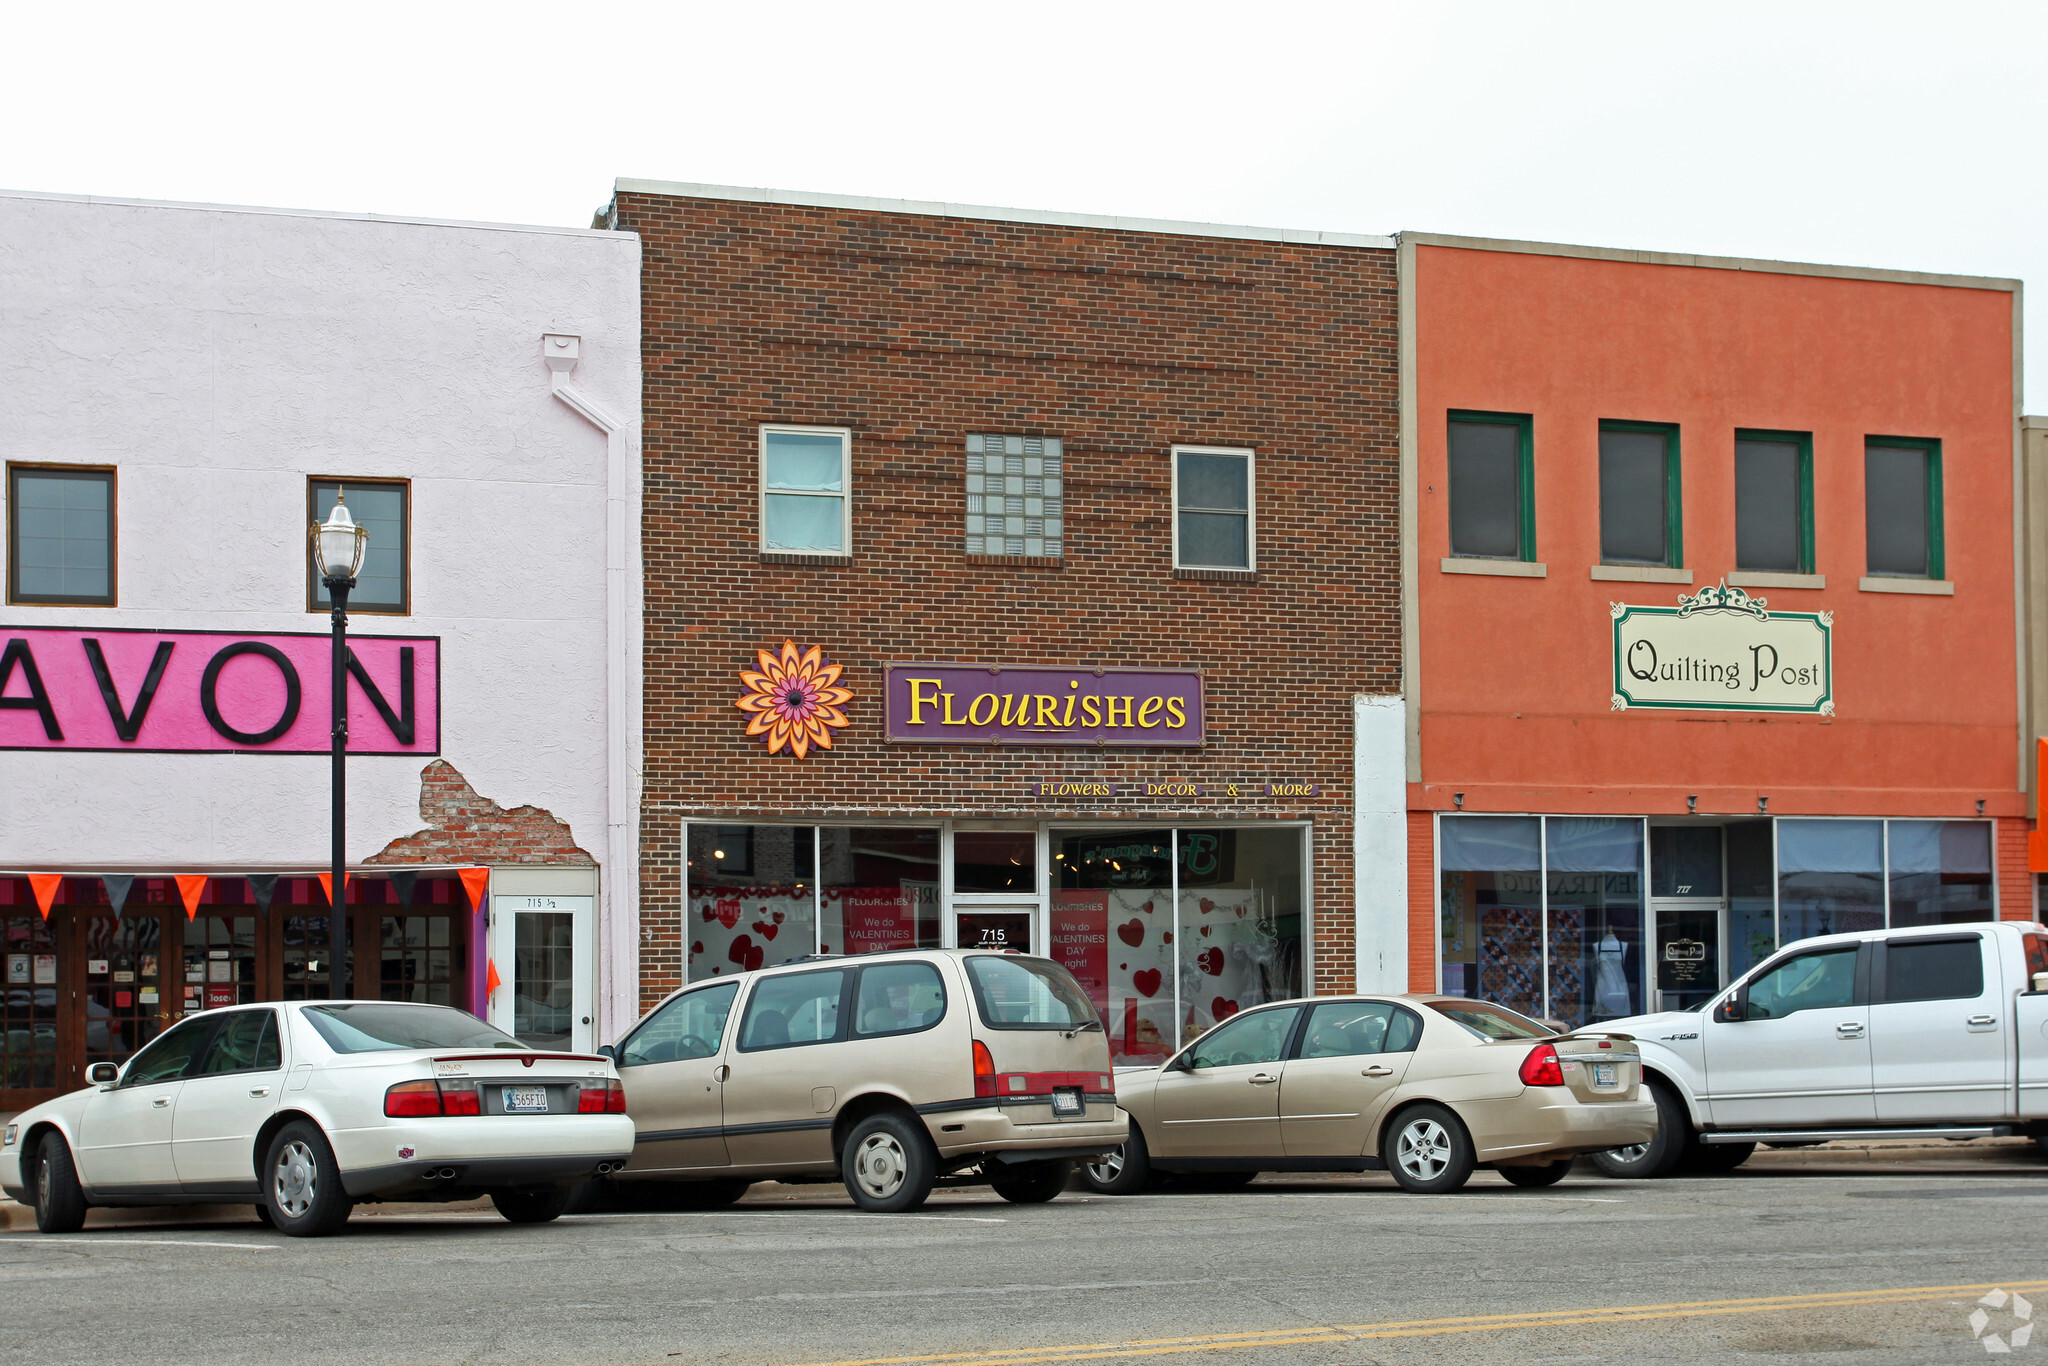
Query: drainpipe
x=618, y=948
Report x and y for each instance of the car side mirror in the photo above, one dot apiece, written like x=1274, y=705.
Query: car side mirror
x=2041, y=981
x=1732, y=1009
x=607, y=1050
x=102, y=1073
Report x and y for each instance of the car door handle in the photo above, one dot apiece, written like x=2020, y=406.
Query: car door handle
x=159, y=1103
x=1982, y=1021
x=1377, y=1071
x=1263, y=1079
x=720, y=1072
x=259, y=1090
x=1849, y=1029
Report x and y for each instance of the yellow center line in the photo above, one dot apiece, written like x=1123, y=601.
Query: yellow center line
x=1470, y=1323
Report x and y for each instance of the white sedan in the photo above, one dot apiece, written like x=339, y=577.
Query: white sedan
x=308, y=1107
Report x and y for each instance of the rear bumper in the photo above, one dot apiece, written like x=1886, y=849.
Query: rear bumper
x=1548, y=1121
x=1028, y=1130
x=461, y=1180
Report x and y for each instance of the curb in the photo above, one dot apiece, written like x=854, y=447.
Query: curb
x=15, y=1217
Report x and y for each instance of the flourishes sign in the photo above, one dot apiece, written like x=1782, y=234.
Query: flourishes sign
x=794, y=699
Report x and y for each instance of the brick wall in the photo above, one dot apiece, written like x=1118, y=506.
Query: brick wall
x=915, y=331
x=1422, y=908
x=463, y=827
x=2015, y=882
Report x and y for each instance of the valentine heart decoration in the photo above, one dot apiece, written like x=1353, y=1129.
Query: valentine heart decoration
x=1210, y=961
x=1221, y=1009
x=1132, y=933
x=697, y=948
x=766, y=929
x=728, y=913
x=1205, y=931
x=1146, y=980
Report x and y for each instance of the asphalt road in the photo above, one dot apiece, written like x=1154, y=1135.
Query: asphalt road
x=1851, y=1263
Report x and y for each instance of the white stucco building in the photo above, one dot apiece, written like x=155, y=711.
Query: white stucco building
x=187, y=387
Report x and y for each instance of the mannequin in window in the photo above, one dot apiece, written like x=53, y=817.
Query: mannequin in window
x=1610, y=980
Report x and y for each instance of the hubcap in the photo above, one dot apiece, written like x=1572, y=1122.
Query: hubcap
x=1634, y=1152
x=1424, y=1150
x=43, y=1184
x=880, y=1165
x=1110, y=1167
x=295, y=1183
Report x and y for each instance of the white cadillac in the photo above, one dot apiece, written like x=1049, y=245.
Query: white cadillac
x=308, y=1107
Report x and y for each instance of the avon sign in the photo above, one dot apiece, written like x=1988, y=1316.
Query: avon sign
x=967, y=704
x=186, y=692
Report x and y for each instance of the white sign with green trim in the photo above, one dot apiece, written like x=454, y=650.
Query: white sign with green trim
x=1720, y=650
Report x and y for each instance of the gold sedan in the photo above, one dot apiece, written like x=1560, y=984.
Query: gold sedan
x=1424, y=1087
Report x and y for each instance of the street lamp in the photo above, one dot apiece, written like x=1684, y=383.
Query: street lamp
x=338, y=546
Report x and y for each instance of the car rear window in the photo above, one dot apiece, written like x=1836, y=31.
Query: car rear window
x=1014, y=992
x=381, y=1027
x=1490, y=1021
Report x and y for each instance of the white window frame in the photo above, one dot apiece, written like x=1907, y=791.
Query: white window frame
x=1251, y=506
x=845, y=496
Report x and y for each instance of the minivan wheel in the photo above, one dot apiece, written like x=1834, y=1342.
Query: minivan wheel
x=533, y=1207
x=1665, y=1150
x=1124, y=1170
x=302, y=1183
x=1428, y=1151
x=1549, y=1174
x=1029, y=1183
x=60, y=1200
x=888, y=1164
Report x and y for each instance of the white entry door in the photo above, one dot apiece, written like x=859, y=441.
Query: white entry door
x=542, y=949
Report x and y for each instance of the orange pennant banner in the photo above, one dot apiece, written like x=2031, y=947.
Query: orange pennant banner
x=327, y=886
x=45, y=885
x=191, y=886
x=476, y=881
x=491, y=979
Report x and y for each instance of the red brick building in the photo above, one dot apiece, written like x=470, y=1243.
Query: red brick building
x=977, y=467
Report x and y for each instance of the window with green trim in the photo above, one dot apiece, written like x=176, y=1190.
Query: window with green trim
x=1902, y=508
x=1774, y=502
x=1492, y=474
x=1640, y=516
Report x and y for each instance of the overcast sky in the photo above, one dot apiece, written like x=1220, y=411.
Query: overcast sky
x=1879, y=133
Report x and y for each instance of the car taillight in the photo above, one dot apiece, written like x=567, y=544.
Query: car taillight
x=609, y=1099
x=414, y=1099
x=984, y=1071
x=411, y=1099
x=1541, y=1067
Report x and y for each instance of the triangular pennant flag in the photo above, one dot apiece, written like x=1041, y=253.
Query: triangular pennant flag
x=401, y=886
x=118, y=888
x=263, y=887
x=327, y=886
x=476, y=881
x=491, y=979
x=45, y=885
x=191, y=886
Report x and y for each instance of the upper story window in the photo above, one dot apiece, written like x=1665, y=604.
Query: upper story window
x=1492, y=467
x=1016, y=496
x=1212, y=508
x=806, y=484
x=1774, y=502
x=384, y=506
x=1639, y=505
x=60, y=535
x=1902, y=508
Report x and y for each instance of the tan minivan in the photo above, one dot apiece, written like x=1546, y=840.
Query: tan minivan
x=887, y=1071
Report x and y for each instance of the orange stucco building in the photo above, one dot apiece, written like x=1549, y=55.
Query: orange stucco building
x=1713, y=638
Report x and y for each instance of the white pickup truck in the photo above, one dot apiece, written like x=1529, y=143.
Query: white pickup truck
x=1933, y=1032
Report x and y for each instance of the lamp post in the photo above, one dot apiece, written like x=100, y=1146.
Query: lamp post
x=338, y=546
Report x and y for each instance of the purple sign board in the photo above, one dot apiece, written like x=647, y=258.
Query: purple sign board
x=982, y=704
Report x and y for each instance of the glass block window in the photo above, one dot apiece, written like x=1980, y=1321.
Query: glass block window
x=1016, y=496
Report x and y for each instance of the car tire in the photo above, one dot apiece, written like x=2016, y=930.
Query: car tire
x=1664, y=1152
x=1428, y=1150
x=533, y=1207
x=1029, y=1183
x=1717, y=1157
x=1126, y=1170
x=60, y=1200
x=302, y=1183
x=677, y=1195
x=1216, y=1182
x=888, y=1163
x=1548, y=1174
x=263, y=1215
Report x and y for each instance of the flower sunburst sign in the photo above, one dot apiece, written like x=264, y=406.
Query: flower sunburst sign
x=794, y=699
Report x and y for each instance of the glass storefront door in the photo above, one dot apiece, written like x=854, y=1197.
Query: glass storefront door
x=996, y=927
x=545, y=1000
x=998, y=890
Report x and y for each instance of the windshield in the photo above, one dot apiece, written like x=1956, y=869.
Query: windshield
x=1028, y=993
x=385, y=1026
x=1490, y=1021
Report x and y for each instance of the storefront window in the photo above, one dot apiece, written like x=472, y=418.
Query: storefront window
x=996, y=861
x=1491, y=909
x=1112, y=927
x=1752, y=903
x=751, y=896
x=1594, y=877
x=1238, y=936
x=1830, y=877
x=880, y=888
x=1940, y=872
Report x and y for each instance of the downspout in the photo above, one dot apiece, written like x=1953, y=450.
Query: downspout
x=618, y=928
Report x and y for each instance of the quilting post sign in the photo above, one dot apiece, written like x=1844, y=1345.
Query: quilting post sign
x=1721, y=650
x=191, y=692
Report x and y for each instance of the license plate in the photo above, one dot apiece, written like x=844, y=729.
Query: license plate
x=526, y=1100
x=1066, y=1100
x=1603, y=1074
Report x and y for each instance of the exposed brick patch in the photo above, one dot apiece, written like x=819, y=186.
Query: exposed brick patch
x=463, y=827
